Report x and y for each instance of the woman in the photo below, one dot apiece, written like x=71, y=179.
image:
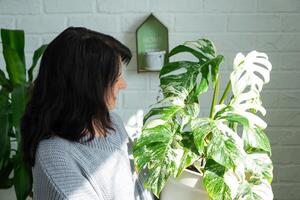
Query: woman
x=77, y=146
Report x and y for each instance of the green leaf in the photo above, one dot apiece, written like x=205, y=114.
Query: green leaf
x=19, y=98
x=186, y=79
x=6, y=183
x=192, y=110
x=187, y=159
x=255, y=140
x=15, y=39
x=37, y=54
x=159, y=135
x=214, y=183
x=184, y=49
x=224, y=150
x=172, y=97
x=173, y=66
x=22, y=178
x=4, y=139
x=153, y=150
x=13, y=52
x=212, y=66
x=158, y=176
x=215, y=68
x=158, y=150
x=173, y=137
x=5, y=171
x=165, y=113
x=4, y=124
x=185, y=73
x=4, y=101
x=187, y=142
x=203, y=85
x=223, y=109
x=4, y=81
x=205, y=46
x=233, y=117
x=201, y=129
x=14, y=66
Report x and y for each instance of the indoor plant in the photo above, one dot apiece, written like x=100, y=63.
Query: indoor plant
x=228, y=148
x=14, y=93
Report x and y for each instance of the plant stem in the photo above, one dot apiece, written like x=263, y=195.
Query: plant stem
x=214, y=100
x=225, y=92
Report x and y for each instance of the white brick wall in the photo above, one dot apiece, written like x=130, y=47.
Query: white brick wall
x=272, y=26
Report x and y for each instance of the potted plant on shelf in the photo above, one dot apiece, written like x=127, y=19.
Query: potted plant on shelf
x=14, y=92
x=225, y=155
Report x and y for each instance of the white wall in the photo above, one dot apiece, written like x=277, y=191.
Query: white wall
x=272, y=26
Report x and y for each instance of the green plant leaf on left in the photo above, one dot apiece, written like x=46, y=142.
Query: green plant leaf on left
x=22, y=178
x=4, y=125
x=13, y=52
x=15, y=39
x=37, y=54
x=5, y=171
x=4, y=82
x=19, y=98
x=15, y=67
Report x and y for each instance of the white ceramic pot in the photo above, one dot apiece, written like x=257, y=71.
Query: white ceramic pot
x=154, y=60
x=186, y=187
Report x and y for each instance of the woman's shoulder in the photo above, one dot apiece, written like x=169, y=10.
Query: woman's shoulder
x=119, y=123
x=115, y=117
x=52, y=146
x=54, y=142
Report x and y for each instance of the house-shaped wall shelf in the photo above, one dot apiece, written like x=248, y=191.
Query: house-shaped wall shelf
x=151, y=36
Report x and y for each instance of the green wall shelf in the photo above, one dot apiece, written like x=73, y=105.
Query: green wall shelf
x=151, y=36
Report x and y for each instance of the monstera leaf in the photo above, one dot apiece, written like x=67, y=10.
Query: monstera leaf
x=245, y=69
x=262, y=191
x=184, y=73
x=229, y=148
x=164, y=156
x=248, y=77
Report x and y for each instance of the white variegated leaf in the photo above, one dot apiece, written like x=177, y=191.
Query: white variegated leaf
x=248, y=191
x=238, y=60
x=154, y=123
x=254, y=120
x=230, y=133
x=218, y=107
x=232, y=181
x=264, y=190
x=260, y=163
x=246, y=70
x=250, y=73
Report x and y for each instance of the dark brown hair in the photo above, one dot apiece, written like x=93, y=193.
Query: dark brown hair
x=68, y=97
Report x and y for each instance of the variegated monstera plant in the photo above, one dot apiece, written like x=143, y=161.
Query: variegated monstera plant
x=229, y=147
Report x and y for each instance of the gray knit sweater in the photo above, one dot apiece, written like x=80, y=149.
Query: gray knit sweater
x=95, y=170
